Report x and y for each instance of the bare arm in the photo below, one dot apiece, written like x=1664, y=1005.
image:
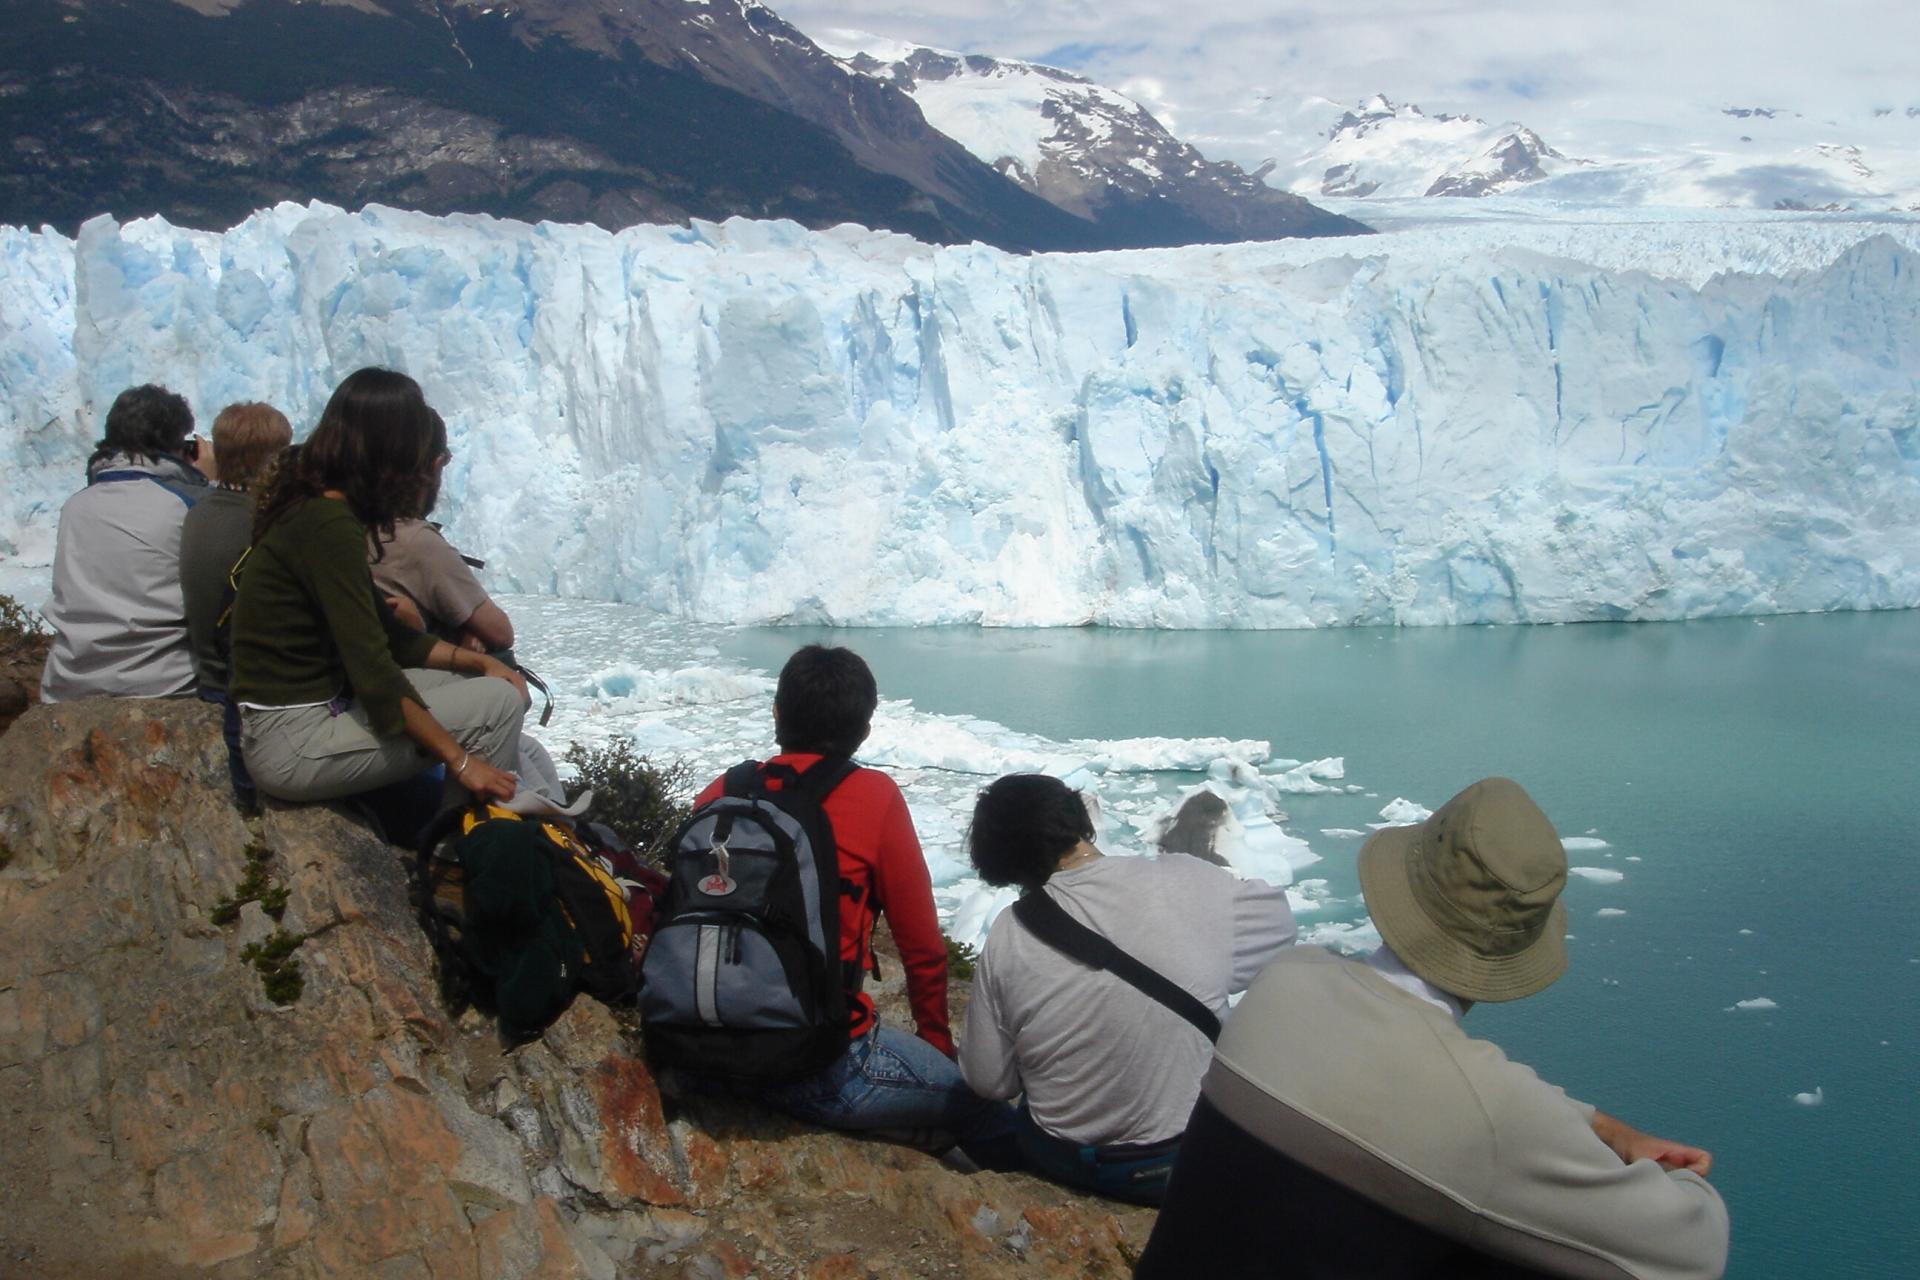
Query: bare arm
x=408, y=612
x=491, y=626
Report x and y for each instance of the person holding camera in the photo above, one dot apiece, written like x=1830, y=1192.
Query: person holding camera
x=118, y=614
x=1109, y=1069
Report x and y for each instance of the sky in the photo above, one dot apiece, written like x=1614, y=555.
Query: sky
x=1242, y=76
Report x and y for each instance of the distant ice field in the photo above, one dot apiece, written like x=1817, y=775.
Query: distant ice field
x=1691, y=245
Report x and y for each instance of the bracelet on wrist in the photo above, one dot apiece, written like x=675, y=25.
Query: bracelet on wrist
x=466, y=758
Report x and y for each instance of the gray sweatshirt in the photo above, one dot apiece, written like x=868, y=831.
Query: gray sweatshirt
x=1101, y=1063
x=118, y=615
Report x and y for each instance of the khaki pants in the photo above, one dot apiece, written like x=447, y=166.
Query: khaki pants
x=309, y=753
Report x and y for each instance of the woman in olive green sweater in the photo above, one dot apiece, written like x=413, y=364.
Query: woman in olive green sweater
x=337, y=696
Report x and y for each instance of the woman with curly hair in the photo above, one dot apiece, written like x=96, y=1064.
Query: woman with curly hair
x=337, y=696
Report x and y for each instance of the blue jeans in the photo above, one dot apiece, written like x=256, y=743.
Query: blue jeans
x=897, y=1086
x=243, y=793
x=1137, y=1174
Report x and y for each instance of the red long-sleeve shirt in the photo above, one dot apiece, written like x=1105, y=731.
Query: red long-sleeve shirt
x=883, y=872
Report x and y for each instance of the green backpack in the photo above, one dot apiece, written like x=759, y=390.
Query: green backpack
x=524, y=913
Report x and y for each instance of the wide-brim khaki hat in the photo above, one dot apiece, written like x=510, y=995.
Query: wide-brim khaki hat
x=1470, y=898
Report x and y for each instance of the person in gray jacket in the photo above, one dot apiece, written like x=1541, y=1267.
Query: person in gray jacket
x=1349, y=1127
x=119, y=620
x=1106, y=1074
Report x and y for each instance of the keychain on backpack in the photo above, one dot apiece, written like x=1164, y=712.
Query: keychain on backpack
x=720, y=883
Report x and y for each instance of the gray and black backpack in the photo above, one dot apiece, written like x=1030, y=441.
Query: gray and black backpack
x=744, y=977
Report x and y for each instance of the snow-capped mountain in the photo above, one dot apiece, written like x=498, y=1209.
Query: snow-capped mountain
x=1741, y=157
x=1083, y=147
x=1384, y=148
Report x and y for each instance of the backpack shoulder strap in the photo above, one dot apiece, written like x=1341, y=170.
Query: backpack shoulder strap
x=1048, y=921
x=817, y=783
x=743, y=779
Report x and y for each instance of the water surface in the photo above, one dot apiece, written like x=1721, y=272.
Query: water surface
x=1753, y=781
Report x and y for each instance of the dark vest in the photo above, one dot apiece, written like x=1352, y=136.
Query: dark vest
x=1236, y=1209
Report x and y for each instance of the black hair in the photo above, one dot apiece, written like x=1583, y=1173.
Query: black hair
x=146, y=423
x=1023, y=824
x=824, y=702
x=374, y=443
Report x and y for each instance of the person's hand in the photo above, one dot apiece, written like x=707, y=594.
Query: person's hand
x=1670, y=1155
x=485, y=781
x=501, y=671
x=471, y=642
x=199, y=455
x=407, y=611
x=1630, y=1144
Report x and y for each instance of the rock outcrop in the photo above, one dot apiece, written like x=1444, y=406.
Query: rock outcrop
x=160, y=1115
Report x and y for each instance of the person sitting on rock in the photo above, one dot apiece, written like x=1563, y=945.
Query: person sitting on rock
x=888, y=1082
x=1109, y=1073
x=337, y=696
x=429, y=583
x=119, y=621
x=1350, y=1127
x=247, y=439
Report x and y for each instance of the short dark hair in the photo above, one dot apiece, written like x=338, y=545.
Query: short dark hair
x=824, y=702
x=1023, y=824
x=147, y=422
x=374, y=443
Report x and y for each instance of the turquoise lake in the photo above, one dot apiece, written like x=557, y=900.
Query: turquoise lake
x=1754, y=782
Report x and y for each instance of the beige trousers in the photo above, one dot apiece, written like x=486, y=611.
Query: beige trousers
x=309, y=753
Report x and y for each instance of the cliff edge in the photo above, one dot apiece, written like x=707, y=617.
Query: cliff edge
x=161, y=1115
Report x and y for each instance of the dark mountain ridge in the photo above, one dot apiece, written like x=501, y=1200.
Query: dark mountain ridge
x=573, y=110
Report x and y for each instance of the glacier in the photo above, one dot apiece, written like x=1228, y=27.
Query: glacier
x=1458, y=421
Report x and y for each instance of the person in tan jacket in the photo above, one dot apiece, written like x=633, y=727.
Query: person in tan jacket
x=1350, y=1128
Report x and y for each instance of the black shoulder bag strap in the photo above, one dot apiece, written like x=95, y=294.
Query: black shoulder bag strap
x=1048, y=921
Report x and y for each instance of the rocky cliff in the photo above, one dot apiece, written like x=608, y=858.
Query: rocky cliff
x=161, y=1115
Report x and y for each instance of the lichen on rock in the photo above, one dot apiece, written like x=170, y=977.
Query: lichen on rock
x=164, y=1116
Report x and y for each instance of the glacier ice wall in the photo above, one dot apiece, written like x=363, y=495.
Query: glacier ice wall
x=751, y=422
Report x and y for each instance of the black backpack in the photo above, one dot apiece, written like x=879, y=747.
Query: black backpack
x=525, y=912
x=744, y=977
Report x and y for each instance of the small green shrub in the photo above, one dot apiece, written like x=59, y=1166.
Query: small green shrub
x=960, y=960
x=280, y=975
x=17, y=622
x=639, y=799
x=255, y=886
x=272, y=958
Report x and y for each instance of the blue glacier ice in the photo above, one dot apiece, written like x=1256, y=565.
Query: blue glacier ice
x=1470, y=422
